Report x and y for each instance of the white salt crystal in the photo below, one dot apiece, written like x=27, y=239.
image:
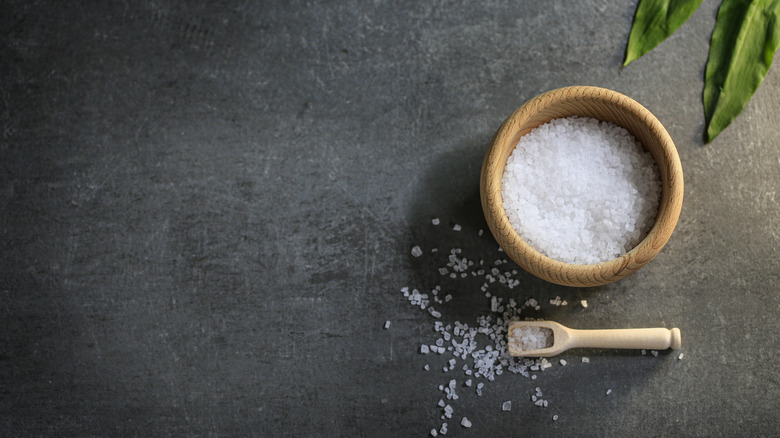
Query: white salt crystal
x=609, y=391
x=435, y=221
x=507, y=405
x=465, y=422
x=443, y=429
x=480, y=232
x=426, y=367
x=584, y=303
x=456, y=227
x=387, y=325
x=529, y=337
x=580, y=191
x=680, y=356
x=563, y=362
x=424, y=349
x=555, y=418
x=585, y=360
x=434, y=433
x=654, y=352
x=416, y=251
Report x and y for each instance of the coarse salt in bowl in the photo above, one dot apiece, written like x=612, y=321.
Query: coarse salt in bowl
x=604, y=105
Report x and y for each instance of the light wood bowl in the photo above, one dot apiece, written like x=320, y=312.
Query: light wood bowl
x=601, y=104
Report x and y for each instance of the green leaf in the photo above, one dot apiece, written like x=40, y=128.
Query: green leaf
x=654, y=21
x=743, y=43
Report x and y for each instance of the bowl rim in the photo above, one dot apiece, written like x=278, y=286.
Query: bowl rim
x=569, y=274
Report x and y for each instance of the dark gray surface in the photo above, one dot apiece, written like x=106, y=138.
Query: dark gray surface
x=207, y=211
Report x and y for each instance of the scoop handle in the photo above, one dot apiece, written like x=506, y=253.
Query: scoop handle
x=642, y=338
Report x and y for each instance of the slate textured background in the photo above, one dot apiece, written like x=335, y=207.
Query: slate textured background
x=206, y=212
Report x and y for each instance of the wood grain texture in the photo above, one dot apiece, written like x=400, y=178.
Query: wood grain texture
x=602, y=104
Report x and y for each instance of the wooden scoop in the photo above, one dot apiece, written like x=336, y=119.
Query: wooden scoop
x=565, y=338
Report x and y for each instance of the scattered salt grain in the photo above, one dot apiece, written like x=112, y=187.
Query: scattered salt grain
x=506, y=406
x=465, y=422
x=555, y=418
x=416, y=251
x=580, y=190
x=584, y=303
x=680, y=356
x=585, y=360
x=480, y=232
x=435, y=221
x=443, y=429
x=654, y=353
x=387, y=325
x=609, y=391
x=466, y=342
x=456, y=227
x=563, y=362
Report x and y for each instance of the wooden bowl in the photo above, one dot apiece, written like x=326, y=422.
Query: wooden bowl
x=601, y=104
